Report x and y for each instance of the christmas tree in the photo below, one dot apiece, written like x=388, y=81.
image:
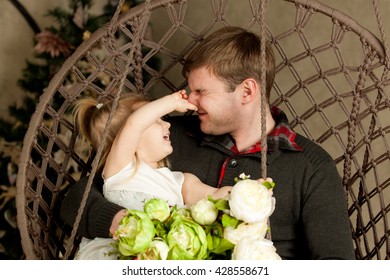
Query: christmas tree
x=52, y=47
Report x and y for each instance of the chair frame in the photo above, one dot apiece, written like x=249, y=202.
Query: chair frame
x=44, y=235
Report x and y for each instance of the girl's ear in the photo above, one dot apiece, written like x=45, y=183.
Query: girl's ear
x=250, y=89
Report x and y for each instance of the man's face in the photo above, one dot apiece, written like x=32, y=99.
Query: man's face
x=218, y=109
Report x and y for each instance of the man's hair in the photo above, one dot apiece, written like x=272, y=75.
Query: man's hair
x=233, y=54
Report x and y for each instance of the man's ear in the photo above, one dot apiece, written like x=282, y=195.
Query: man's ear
x=250, y=89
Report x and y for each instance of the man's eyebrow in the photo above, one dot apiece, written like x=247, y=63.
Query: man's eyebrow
x=199, y=90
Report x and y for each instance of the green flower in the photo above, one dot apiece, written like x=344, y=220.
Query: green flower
x=157, y=209
x=178, y=214
x=187, y=240
x=135, y=233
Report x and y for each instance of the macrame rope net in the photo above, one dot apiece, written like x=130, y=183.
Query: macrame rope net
x=337, y=99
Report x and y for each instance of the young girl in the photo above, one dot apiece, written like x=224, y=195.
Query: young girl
x=134, y=162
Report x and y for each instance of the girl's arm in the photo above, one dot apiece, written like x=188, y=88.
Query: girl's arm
x=126, y=142
x=194, y=190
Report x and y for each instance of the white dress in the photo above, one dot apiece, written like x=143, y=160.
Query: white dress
x=131, y=191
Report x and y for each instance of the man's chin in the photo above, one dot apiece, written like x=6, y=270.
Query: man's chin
x=203, y=127
x=208, y=130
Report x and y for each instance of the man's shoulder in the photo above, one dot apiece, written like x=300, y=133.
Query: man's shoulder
x=311, y=149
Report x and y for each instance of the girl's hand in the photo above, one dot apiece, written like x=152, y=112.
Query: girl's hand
x=261, y=180
x=182, y=104
x=268, y=180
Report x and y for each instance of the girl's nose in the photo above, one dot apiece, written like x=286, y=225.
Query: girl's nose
x=166, y=124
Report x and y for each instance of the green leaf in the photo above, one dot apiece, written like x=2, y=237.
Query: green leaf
x=218, y=245
x=269, y=185
x=220, y=203
x=229, y=221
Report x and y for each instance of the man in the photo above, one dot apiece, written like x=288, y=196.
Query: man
x=223, y=140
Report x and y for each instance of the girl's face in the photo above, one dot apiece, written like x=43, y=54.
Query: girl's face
x=155, y=144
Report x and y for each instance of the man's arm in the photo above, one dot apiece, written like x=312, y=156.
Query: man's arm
x=325, y=215
x=98, y=213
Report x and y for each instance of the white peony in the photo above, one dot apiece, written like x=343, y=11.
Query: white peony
x=246, y=231
x=204, y=212
x=251, y=201
x=255, y=249
x=158, y=250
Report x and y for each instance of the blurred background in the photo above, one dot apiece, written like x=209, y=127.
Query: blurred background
x=37, y=36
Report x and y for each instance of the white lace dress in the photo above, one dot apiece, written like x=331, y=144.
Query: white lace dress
x=131, y=191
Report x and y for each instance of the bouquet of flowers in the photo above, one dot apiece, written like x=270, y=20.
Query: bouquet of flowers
x=230, y=228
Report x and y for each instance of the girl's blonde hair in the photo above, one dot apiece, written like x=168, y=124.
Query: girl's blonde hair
x=91, y=118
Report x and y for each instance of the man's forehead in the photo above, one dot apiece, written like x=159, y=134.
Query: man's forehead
x=199, y=77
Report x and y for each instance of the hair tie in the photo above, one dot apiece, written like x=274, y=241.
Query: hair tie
x=100, y=105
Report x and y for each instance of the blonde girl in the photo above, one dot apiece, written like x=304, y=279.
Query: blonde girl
x=134, y=161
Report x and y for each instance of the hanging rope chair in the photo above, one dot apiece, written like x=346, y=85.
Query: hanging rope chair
x=334, y=88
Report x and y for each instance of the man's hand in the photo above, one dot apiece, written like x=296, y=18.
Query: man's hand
x=115, y=221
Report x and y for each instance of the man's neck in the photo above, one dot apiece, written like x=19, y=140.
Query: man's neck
x=250, y=134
